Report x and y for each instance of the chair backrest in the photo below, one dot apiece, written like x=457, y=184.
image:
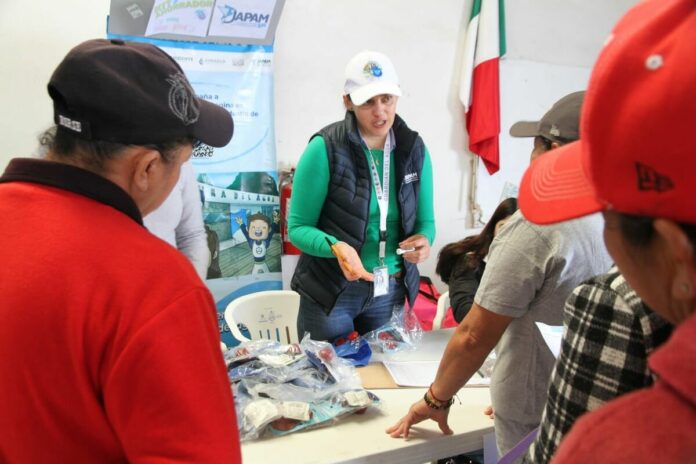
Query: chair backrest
x=443, y=304
x=269, y=314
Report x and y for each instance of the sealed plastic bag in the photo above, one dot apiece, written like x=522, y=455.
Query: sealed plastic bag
x=354, y=348
x=402, y=332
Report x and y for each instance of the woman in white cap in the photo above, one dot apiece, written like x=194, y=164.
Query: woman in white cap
x=361, y=209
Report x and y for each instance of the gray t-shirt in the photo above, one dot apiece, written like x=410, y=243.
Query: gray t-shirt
x=531, y=271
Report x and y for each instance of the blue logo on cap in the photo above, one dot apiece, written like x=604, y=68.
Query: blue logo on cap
x=372, y=69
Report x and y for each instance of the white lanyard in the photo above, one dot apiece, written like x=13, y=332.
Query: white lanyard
x=382, y=191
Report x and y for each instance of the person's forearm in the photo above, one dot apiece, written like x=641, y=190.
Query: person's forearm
x=471, y=343
x=311, y=240
x=463, y=356
x=426, y=229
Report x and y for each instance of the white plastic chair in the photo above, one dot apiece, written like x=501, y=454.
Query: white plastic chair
x=443, y=303
x=270, y=314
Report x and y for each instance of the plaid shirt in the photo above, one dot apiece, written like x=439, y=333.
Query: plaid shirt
x=604, y=353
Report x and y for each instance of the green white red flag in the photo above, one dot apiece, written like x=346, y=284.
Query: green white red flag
x=480, y=84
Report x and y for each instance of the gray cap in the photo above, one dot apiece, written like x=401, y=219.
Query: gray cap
x=560, y=124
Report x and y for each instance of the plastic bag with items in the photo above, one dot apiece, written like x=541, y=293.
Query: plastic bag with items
x=280, y=389
x=354, y=348
x=402, y=332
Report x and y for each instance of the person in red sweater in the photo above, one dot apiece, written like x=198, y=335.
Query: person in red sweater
x=635, y=162
x=109, y=347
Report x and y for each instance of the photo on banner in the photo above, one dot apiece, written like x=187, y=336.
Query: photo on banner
x=241, y=212
x=238, y=183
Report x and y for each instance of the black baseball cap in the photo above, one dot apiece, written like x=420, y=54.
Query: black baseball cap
x=132, y=93
x=560, y=124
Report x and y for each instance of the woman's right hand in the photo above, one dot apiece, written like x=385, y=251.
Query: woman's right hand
x=350, y=262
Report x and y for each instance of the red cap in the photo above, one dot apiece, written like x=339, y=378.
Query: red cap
x=635, y=155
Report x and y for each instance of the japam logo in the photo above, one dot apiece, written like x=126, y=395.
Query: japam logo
x=182, y=100
x=232, y=15
x=372, y=69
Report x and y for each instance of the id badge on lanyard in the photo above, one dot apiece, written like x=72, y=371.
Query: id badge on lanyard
x=381, y=272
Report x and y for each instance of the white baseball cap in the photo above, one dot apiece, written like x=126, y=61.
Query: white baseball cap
x=368, y=74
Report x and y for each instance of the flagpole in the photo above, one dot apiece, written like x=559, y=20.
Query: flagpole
x=473, y=219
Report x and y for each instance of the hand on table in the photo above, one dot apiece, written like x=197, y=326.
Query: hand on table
x=418, y=413
x=489, y=412
x=350, y=262
x=421, y=245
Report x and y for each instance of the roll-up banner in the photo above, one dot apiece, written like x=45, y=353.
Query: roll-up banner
x=226, y=50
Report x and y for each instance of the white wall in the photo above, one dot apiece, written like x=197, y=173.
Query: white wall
x=551, y=46
x=34, y=37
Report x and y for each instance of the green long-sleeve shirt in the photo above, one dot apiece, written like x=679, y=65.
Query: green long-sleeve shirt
x=309, y=190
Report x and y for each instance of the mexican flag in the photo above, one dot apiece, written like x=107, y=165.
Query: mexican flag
x=480, y=84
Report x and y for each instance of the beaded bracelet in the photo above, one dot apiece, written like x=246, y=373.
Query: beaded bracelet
x=432, y=395
x=435, y=403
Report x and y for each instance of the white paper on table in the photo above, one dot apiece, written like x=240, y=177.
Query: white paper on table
x=422, y=374
x=553, y=334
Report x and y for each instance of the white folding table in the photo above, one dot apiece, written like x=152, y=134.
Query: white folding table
x=362, y=438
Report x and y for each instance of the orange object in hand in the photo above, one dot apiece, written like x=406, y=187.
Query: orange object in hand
x=337, y=254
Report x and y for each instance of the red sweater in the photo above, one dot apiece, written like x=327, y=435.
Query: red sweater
x=109, y=347
x=656, y=424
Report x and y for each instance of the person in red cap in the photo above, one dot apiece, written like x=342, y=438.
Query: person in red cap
x=109, y=340
x=635, y=163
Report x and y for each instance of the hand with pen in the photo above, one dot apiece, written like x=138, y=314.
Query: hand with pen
x=349, y=261
x=418, y=246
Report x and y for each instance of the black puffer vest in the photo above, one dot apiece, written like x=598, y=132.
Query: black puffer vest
x=346, y=208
